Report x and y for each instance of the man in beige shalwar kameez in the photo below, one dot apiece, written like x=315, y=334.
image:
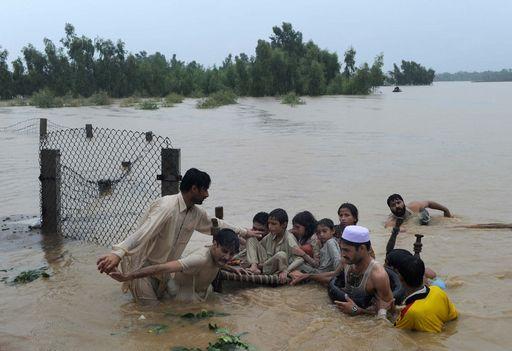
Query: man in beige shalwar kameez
x=162, y=236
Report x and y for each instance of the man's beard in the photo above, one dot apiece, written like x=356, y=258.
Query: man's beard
x=399, y=212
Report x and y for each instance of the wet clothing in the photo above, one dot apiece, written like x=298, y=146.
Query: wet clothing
x=330, y=258
x=427, y=310
x=274, y=254
x=194, y=282
x=163, y=233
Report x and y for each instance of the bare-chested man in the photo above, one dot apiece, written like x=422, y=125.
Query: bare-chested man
x=400, y=211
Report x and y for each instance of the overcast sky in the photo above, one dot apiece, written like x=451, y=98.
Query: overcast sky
x=446, y=35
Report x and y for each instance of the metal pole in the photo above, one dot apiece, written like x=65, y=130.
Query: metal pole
x=50, y=191
x=43, y=128
x=170, y=176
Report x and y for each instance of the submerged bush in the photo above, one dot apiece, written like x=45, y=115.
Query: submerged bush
x=17, y=101
x=130, y=102
x=100, y=98
x=148, y=105
x=45, y=98
x=172, y=99
x=220, y=98
x=292, y=99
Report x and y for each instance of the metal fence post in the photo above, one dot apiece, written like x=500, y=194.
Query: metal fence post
x=50, y=191
x=88, y=131
x=170, y=176
x=43, y=128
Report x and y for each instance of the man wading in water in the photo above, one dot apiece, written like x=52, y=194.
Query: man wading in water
x=400, y=211
x=365, y=278
x=163, y=234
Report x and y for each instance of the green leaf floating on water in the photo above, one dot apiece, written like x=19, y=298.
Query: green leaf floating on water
x=203, y=314
x=31, y=275
x=157, y=329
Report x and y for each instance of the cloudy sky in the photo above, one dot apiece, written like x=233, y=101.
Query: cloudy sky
x=449, y=35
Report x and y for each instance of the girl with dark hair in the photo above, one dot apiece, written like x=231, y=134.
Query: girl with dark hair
x=348, y=215
x=304, y=228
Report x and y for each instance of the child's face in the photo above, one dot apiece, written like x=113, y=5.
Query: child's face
x=275, y=227
x=324, y=233
x=346, y=217
x=260, y=227
x=298, y=230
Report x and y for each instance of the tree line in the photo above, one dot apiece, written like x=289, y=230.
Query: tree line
x=82, y=66
x=505, y=75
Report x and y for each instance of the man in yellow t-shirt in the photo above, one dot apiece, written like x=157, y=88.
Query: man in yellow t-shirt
x=426, y=308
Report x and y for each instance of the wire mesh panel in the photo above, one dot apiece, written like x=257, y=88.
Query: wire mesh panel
x=107, y=180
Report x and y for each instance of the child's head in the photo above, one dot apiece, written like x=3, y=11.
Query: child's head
x=348, y=214
x=260, y=222
x=304, y=226
x=225, y=245
x=325, y=229
x=277, y=221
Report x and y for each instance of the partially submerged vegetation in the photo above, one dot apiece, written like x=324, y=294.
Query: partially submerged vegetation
x=28, y=276
x=218, y=99
x=226, y=341
x=45, y=98
x=292, y=99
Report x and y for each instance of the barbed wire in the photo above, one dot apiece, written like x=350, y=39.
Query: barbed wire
x=107, y=181
x=30, y=126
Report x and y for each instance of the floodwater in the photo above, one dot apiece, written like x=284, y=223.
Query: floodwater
x=449, y=142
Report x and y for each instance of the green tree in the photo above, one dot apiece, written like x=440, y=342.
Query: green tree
x=261, y=73
x=6, y=88
x=377, y=77
x=350, y=62
x=81, y=53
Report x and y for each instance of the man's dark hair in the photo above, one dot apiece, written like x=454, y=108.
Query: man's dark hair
x=308, y=221
x=228, y=239
x=394, y=197
x=195, y=177
x=368, y=244
x=352, y=208
x=279, y=215
x=326, y=222
x=261, y=218
x=396, y=256
x=412, y=270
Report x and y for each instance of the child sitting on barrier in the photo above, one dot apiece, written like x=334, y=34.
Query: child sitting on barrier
x=259, y=223
x=329, y=255
x=274, y=253
x=304, y=228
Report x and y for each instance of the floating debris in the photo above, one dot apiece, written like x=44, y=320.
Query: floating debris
x=203, y=314
x=31, y=275
x=157, y=329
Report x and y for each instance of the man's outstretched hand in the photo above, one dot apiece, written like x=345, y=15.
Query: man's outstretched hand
x=107, y=263
x=120, y=277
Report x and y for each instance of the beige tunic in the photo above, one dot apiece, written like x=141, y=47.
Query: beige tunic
x=163, y=233
x=275, y=254
x=194, y=282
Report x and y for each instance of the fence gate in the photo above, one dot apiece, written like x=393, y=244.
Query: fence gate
x=96, y=182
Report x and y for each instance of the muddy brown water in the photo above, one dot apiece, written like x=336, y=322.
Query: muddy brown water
x=449, y=142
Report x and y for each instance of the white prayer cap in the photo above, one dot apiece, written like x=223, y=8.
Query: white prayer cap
x=356, y=234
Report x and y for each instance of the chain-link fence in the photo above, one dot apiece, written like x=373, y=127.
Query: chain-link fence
x=107, y=178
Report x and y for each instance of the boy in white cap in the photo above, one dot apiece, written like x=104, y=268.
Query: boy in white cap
x=365, y=278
